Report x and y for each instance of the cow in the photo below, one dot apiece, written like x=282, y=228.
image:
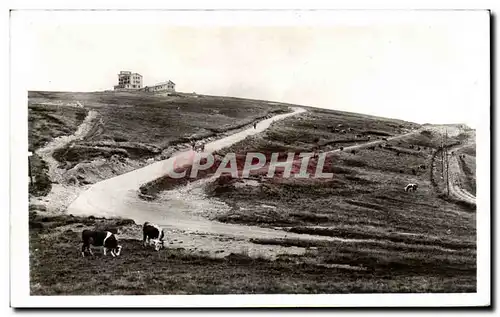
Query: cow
x=105, y=239
x=411, y=187
x=152, y=234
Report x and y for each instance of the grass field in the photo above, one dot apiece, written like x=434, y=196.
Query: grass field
x=49, y=121
x=55, y=257
x=417, y=232
x=396, y=241
x=164, y=120
x=130, y=126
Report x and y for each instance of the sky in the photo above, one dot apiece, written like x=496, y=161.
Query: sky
x=418, y=66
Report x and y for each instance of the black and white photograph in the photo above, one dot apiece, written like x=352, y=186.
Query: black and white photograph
x=252, y=153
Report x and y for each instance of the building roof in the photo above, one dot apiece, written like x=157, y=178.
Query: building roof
x=164, y=82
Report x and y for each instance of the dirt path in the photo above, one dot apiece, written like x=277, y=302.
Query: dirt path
x=184, y=211
x=61, y=195
x=455, y=171
x=117, y=197
x=376, y=142
x=456, y=189
x=46, y=152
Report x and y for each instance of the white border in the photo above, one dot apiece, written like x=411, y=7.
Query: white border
x=19, y=254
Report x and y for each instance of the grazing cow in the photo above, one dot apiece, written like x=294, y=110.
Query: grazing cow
x=385, y=139
x=154, y=235
x=104, y=239
x=411, y=187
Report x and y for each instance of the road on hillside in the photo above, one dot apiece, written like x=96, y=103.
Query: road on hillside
x=184, y=209
x=376, y=142
x=117, y=196
x=455, y=171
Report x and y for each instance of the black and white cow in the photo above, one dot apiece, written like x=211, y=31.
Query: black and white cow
x=105, y=239
x=411, y=187
x=152, y=234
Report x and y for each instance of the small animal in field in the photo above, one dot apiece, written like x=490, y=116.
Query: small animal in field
x=153, y=235
x=105, y=239
x=411, y=187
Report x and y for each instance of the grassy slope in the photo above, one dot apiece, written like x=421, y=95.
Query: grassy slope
x=163, y=120
x=46, y=122
x=134, y=125
x=467, y=161
x=55, y=257
x=364, y=200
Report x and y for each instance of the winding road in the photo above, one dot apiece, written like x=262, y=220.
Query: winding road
x=182, y=212
x=117, y=197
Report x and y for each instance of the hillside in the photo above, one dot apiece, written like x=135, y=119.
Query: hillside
x=127, y=130
x=356, y=232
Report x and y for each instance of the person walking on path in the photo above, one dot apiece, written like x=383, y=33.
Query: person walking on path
x=255, y=125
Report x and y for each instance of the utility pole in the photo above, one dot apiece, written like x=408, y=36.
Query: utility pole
x=447, y=167
x=29, y=167
x=442, y=155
